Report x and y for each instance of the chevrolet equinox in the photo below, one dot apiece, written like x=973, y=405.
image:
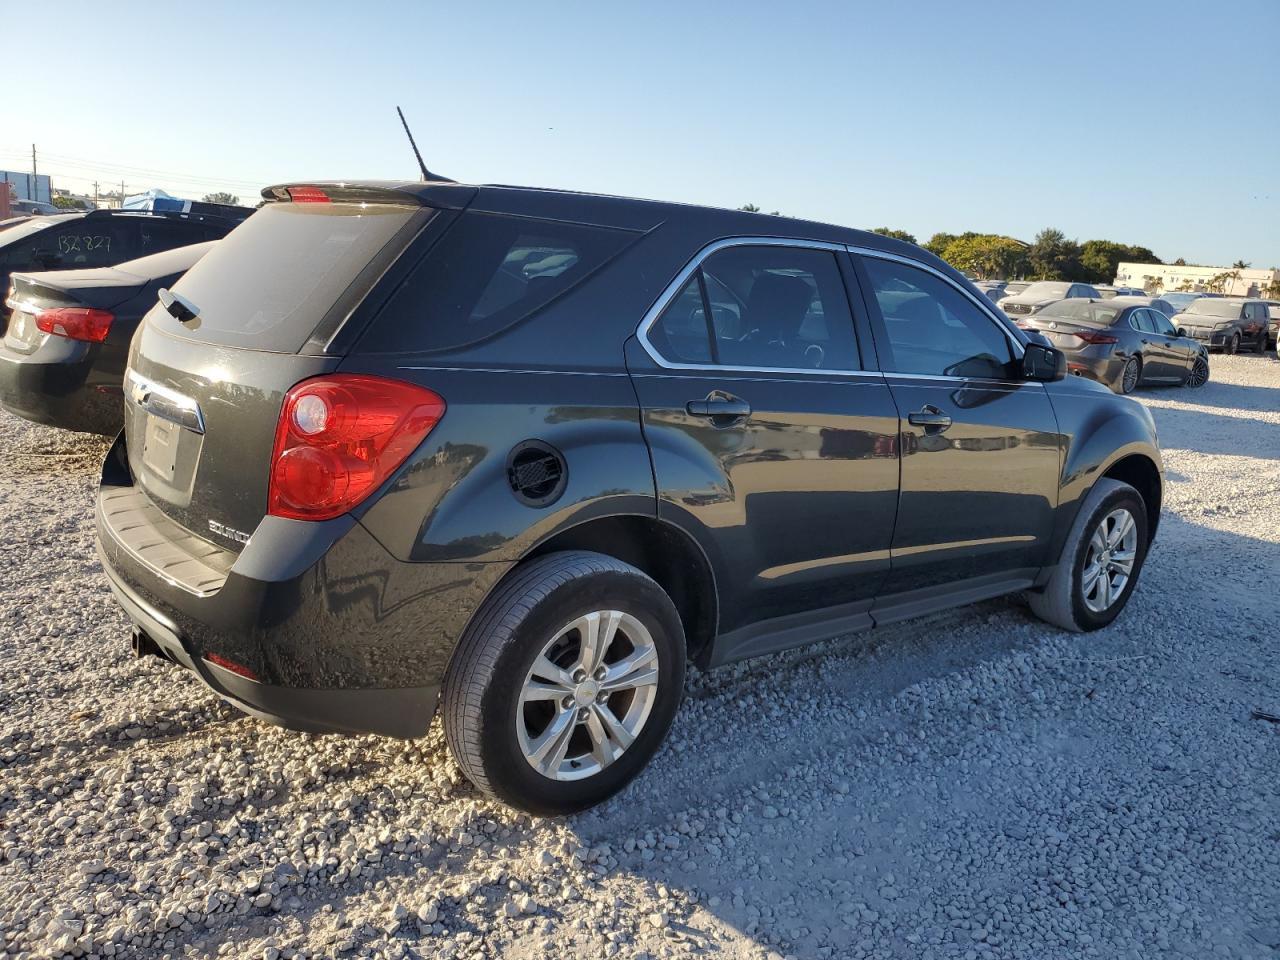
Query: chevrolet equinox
x=525, y=453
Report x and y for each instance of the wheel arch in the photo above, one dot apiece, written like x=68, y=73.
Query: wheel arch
x=664, y=552
x=1140, y=472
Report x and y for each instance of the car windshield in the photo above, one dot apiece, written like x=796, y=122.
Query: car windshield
x=1083, y=311
x=1211, y=307
x=1045, y=289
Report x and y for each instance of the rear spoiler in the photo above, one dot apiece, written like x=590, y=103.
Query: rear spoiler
x=440, y=194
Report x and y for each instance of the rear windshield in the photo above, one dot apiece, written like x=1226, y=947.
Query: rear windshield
x=270, y=282
x=1210, y=307
x=1046, y=288
x=487, y=273
x=1082, y=310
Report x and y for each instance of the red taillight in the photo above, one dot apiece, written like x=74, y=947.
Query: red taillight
x=76, y=323
x=226, y=663
x=308, y=195
x=1089, y=336
x=340, y=436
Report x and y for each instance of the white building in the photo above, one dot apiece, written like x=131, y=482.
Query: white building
x=1247, y=282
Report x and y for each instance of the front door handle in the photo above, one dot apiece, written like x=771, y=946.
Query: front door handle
x=929, y=417
x=719, y=408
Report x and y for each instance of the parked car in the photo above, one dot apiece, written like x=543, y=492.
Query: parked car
x=64, y=352
x=1012, y=287
x=103, y=238
x=1042, y=293
x=524, y=453
x=1122, y=345
x=1107, y=291
x=1180, y=300
x=32, y=208
x=1225, y=323
x=993, y=290
x=1159, y=303
x=1273, y=325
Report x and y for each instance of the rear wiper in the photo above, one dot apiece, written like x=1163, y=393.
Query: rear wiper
x=178, y=307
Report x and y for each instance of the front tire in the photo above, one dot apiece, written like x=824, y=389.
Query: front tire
x=565, y=683
x=1100, y=561
x=1233, y=345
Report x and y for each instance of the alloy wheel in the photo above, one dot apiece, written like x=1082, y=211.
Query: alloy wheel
x=587, y=696
x=1129, y=379
x=1108, y=564
x=1199, y=375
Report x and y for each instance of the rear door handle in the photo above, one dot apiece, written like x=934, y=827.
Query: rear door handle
x=718, y=407
x=929, y=417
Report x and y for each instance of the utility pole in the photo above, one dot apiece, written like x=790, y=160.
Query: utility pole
x=121, y=194
x=95, y=193
x=35, y=177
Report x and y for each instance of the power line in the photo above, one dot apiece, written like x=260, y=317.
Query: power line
x=128, y=168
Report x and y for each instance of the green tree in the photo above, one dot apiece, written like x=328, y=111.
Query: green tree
x=987, y=255
x=896, y=234
x=1240, y=265
x=749, y=208
x=221, y=197
x=938, y=243
x=1179, y=262
x=1053, y=256
x=68, y=203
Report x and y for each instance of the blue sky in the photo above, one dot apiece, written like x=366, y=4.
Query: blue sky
x=1144, y=122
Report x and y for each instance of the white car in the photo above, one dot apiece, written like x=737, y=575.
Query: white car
x=1042, y=293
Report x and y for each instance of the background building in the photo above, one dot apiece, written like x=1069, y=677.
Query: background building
x=27, y=186
x=1238, y=282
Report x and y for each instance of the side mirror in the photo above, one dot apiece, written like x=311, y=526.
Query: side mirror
x=1182, y=331
x=1046, y=364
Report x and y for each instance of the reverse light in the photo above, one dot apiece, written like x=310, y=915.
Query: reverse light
x=340, y=437
x=308, y=195
x=75, y=323
x=1089, y=336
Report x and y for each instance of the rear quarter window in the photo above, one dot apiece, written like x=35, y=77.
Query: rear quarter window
x=487, y=273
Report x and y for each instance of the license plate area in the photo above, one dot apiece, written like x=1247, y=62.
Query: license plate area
x=160, y=447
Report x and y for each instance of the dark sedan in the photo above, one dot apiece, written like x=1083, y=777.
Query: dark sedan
x=1121, y=345
x=67, y=343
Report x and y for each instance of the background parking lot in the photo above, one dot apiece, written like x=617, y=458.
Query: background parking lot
x=975, y=785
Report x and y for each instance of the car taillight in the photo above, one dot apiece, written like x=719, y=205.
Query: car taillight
x=340, y=437
x=308, y=195
x=75, y=323
x=1088, y=336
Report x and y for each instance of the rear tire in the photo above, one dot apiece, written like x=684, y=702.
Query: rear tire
x=1199, y=374
x=1070, y=600
x=1131, y=375
x=525, y=721
x=1261, y=345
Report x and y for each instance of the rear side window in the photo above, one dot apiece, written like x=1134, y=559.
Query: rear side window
x=160, y=234
x=487, y=273
x=268, y=285
x=771, y=307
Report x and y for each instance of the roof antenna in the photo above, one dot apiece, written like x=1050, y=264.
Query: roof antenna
x=427, y=175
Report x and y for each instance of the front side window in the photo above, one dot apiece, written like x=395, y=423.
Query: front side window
x=763, y=307
x=933, y=328
x=1162, y=323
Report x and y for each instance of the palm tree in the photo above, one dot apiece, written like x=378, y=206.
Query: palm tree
x=1240, y=265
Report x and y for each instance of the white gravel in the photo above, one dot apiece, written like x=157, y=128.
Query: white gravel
x=975, y=785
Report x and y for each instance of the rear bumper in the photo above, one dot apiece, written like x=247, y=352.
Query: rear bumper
x=404, y=712
x=1107, y=371
x=337, y=634
x=62, y=393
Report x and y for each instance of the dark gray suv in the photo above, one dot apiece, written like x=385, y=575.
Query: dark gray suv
x=525, y=453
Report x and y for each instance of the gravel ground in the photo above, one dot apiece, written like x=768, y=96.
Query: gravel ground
x=974, y=785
